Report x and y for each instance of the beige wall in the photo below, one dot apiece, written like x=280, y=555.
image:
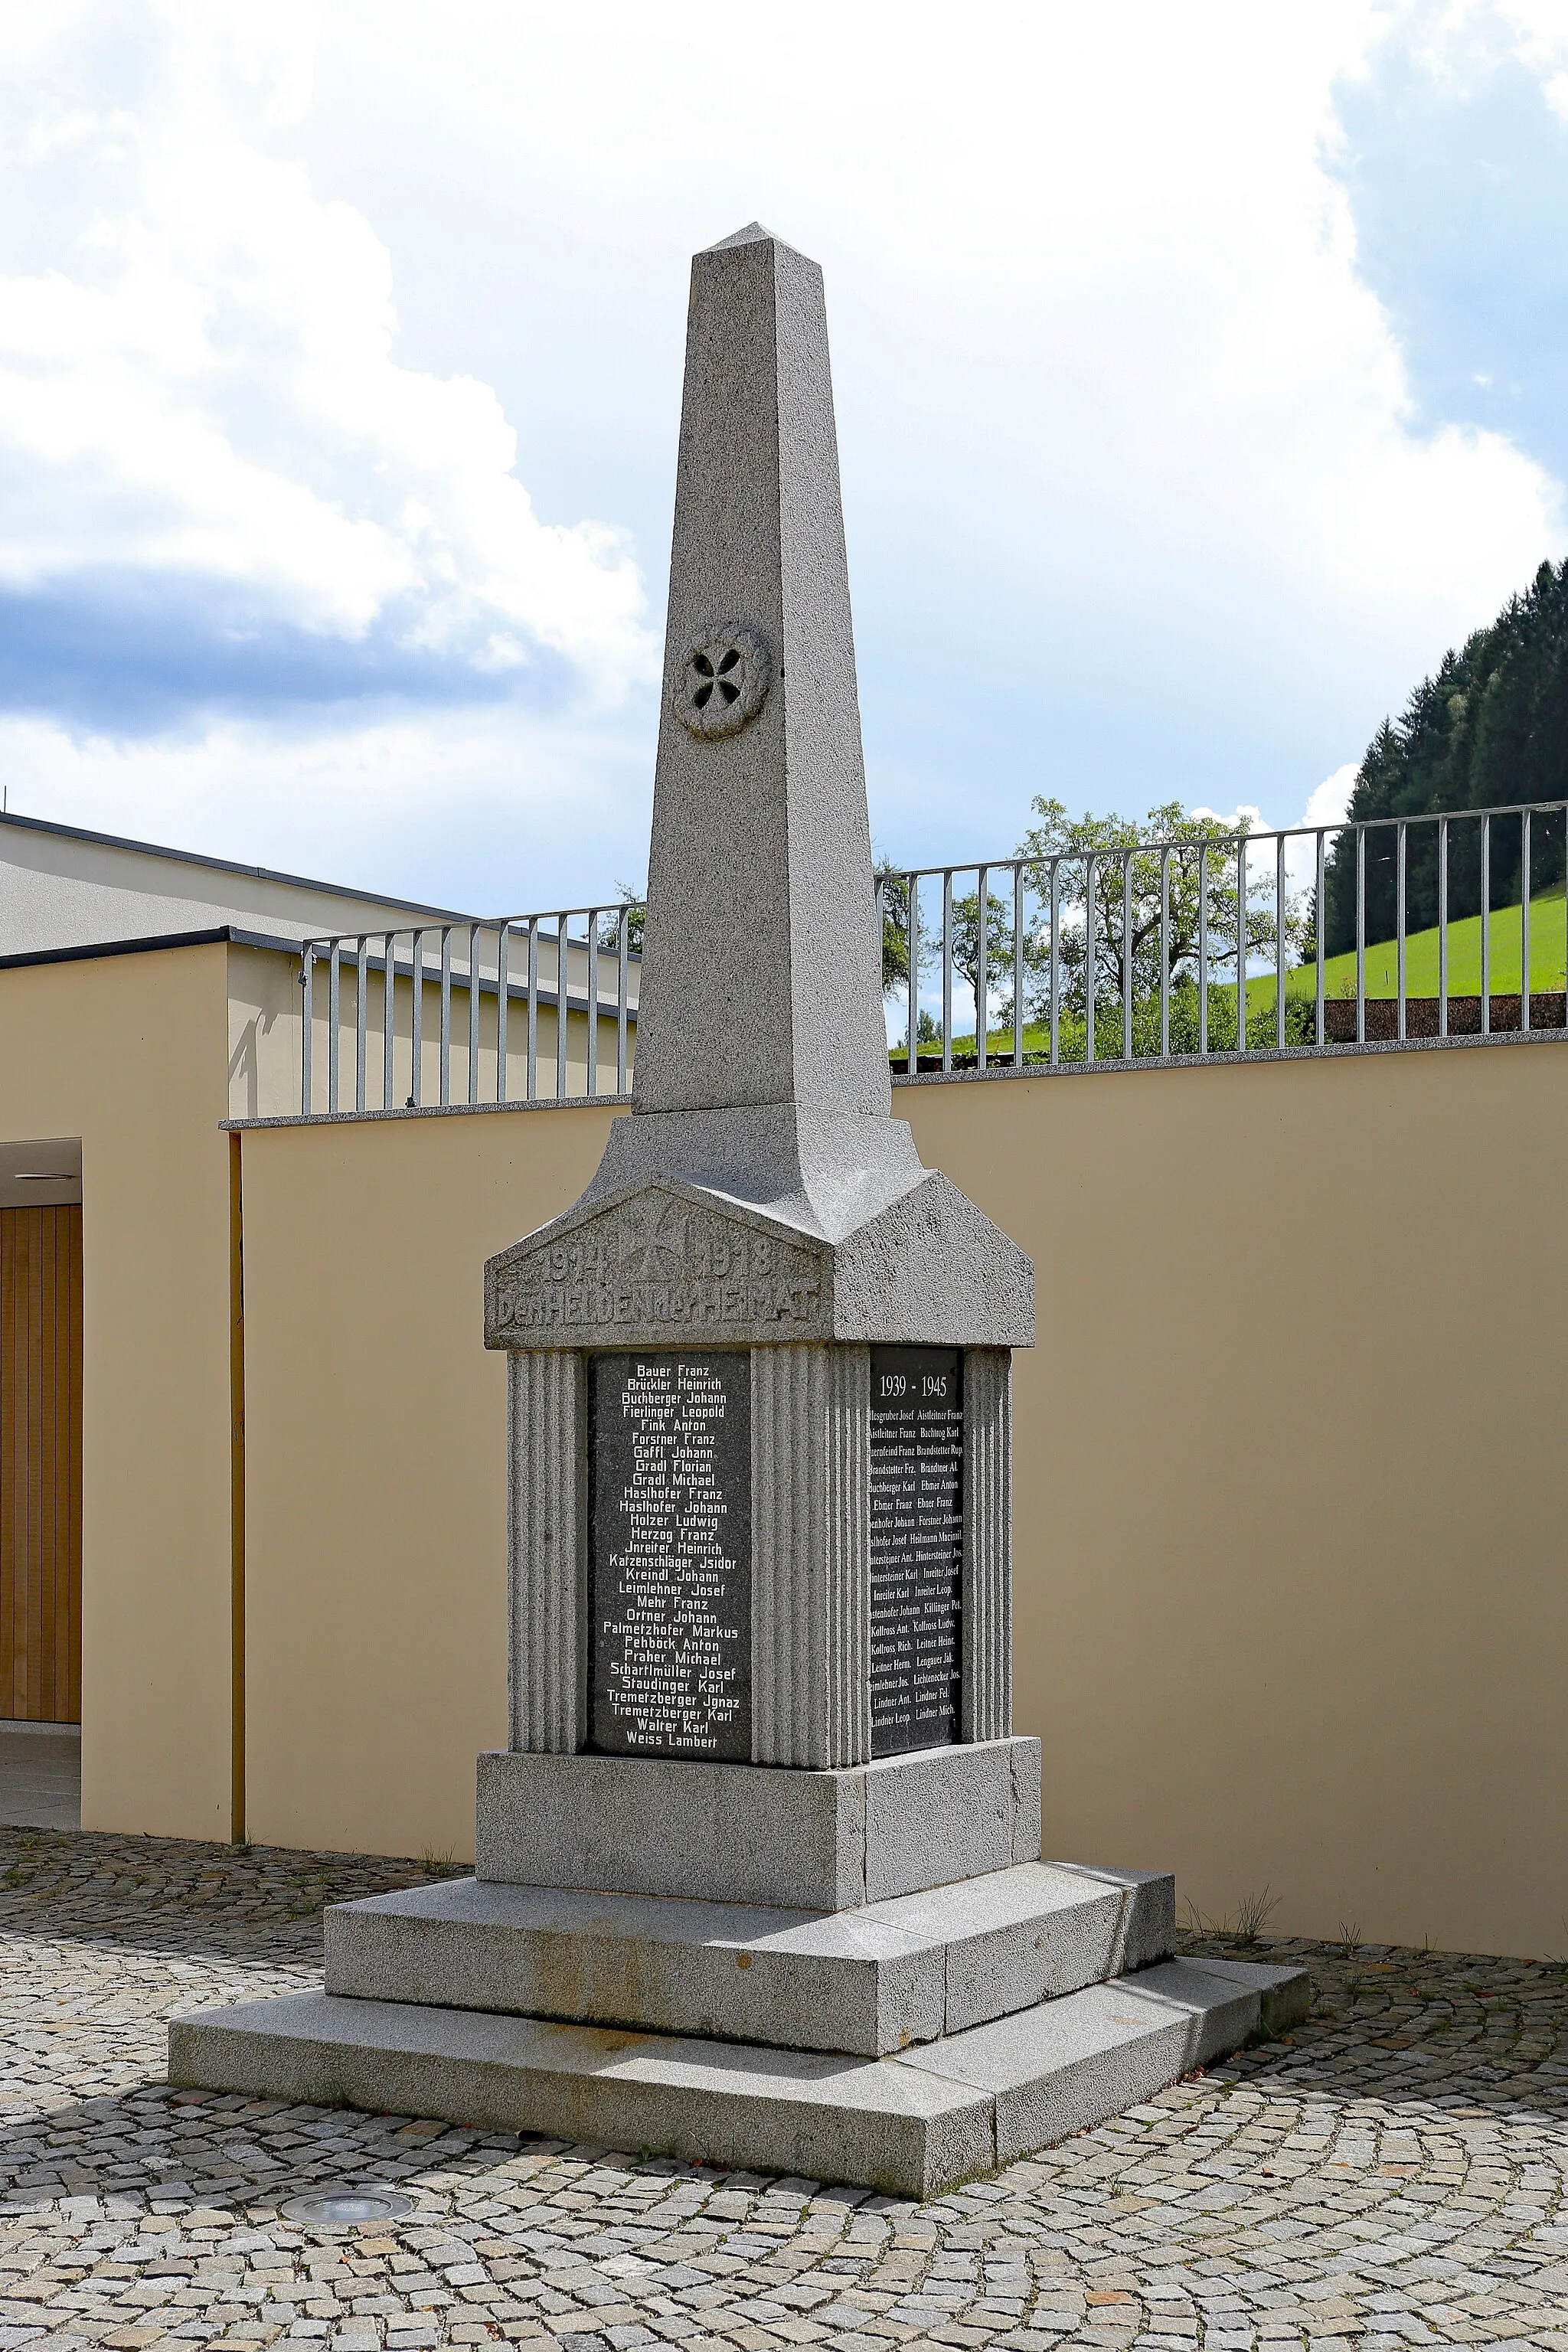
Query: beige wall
x=1291, y=1502
x=375, y=1454
x=127, y=1052
x=1292, y=1608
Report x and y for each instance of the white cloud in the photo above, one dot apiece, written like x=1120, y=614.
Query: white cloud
x=204, y=383
x=461, y=808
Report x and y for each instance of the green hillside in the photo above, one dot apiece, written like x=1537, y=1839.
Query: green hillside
x=1548, y=958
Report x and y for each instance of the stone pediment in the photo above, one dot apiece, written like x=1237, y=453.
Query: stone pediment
x=660, y=1264
x=664, y=1261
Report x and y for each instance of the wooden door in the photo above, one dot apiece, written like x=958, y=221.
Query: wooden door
x=40, y=1465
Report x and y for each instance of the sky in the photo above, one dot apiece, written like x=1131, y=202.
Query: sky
x=1200, y=376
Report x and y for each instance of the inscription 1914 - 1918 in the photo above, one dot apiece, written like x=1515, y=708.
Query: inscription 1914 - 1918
x=917, y=1546
x=669, y=1592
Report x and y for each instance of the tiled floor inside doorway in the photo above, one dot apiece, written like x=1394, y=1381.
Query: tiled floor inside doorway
x=40, y=1775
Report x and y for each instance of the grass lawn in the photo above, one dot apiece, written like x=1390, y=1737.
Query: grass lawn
x=1548, y=948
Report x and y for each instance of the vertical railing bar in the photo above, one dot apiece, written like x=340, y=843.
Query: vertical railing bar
x=912, y=935
x=1018, y=966
x=1399, y=853
x=417, y=966
x=473, y=1013
x=982, y=965
x=308, y=1023
x=362, y=972
x=594, y=914
x=1241, y=881
x=503, y=1004
x=1360, y=935
x=1056, y=964
x=388, y=1018
x=562, y=978
x=623, y=934
x=1089, y=911
x=1485, y=927
x=334, y=1016
x=1524, y=923
x=1126, y=955
x=446, y=1014
x=1202, y=947
x=1280, y=943
x=1165, y=954
x=530, y=1080
x=947, y=969
x=1318, y=942
x=1442, y=927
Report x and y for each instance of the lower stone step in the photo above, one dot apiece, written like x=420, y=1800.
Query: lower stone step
x=867, y=1982
x=911, y=2124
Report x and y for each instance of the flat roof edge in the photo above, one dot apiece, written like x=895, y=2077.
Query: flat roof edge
x=228, y=865
x=223, y=932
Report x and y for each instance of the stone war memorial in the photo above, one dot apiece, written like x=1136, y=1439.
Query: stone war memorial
x=757, y=1877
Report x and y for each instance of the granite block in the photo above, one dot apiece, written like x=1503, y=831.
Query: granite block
x=805, y=1839
x=911, y=2125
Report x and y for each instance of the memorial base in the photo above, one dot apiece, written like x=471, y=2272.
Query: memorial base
x=694, y=1968
x=911, y=2124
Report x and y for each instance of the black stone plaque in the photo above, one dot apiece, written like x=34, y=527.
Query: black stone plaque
x=917, y=1546
x=670, y=1577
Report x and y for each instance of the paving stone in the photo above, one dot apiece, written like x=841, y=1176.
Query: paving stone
x=1393, y=2172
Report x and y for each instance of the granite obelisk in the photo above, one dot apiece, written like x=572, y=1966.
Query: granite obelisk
x=757, y=1877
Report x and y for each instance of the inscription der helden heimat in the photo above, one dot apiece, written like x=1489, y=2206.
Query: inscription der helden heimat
x=671, y=1267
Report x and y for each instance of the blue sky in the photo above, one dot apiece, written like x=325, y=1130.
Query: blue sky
x=1200, y=378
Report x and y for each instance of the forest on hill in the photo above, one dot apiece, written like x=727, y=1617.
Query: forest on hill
x=1490, y=729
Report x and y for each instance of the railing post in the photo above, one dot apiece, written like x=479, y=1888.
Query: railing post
x=307, y=1023
x=981, y=966
x=389, y=1023
x=1018, y=888
x=947, y=970
x=1485, y=927
x=503, y=1005
x=334, y=1016
x=1202, y=947
x=1442, y=927
x=1089, y=972
x=1165, y=954
x=416, y=1031
x=912, y=935
x=1399, y=920
x=1524, y=923
x=1318, y=942
x=473, y=1013
x=361, y=973
x=1280, y=943
x=623, y=929
x=563, y=980
x=1360, y=935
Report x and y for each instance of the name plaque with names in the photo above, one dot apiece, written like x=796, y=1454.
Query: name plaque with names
x=917, y=1546
x=670, y=1563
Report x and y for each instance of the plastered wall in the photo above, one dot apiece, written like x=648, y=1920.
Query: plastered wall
x=1292, y=1592
x=128, y=1053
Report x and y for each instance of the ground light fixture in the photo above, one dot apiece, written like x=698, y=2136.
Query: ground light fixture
x=341, y=2209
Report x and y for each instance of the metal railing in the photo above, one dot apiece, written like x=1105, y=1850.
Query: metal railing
x=503, y=973
x=1208, y=943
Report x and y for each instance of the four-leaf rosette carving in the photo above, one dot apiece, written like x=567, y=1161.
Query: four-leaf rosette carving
x=723, y=681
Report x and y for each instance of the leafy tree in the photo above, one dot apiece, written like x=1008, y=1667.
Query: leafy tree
x=1201, y=867
x=1489, y=729
x=633, y=900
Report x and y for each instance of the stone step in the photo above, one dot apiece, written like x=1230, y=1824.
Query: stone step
x=864, y=1982
x=910, y=2123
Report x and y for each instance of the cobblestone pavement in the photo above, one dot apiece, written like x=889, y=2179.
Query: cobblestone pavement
x=1393, y=2174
